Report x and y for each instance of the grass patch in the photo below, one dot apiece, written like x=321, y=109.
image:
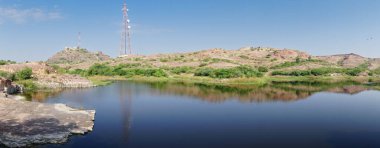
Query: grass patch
x=321, y=72
x=295, y=63
x=237, y=72
x=28, y=85
x=124, y=70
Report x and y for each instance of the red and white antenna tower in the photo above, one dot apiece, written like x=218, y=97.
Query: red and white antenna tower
x=125, y=35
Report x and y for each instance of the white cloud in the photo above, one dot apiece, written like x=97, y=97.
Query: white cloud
x=15, y=15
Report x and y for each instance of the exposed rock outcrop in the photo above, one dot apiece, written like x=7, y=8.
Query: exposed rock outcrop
x=345, y=60
x=46, y=76
x=25, y=123
x=39, y=68
x=63, y=81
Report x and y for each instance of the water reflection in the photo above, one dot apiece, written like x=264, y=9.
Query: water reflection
x=40, y=96
x=283, y=92
x=136, y=114
x=125, y=99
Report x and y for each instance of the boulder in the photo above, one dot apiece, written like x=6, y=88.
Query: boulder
x=25, y=123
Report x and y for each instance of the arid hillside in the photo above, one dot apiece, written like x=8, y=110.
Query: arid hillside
x=218, y=58
x=70, y=67
x=48, y=76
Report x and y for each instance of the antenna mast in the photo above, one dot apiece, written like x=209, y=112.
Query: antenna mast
x=79, y=40
x=125, y=35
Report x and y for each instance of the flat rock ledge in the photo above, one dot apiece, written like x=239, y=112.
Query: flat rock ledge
x=25, y=123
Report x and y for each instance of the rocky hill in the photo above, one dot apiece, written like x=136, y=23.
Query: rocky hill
x=55, y=72
x=221, y=58
x=76, y=55
x=218, y=58
x=48, y=76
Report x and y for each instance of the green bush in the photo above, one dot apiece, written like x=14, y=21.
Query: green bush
x=292, y=73
x=241, y=71
x=321, y=72
x=263, y=69
x=7, y=75
x=205, y=72
x=24, y=74
x=248, y=71
x=146, y=72
x=227, y=73
x=297, y=62
x=60, y=70
x=100, y=69
x=286, y=64
x=28, y=85
x=6, y=62
x=121, y=70
x=78, y=72
x=181, y=70
x=353, y=71
x=156, y=73
x=279, y=73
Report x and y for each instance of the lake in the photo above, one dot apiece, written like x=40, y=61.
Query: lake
x=147, y=115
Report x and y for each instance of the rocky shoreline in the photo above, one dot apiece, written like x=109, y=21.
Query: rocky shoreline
x=25, y=123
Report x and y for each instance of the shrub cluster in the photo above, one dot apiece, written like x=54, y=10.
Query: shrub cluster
x=295, y=63
x=321, y=71
x=24, y=74
x=263, y=69
x=6, y=62
x=59, y=70
x=127, y=70
x=7, y=75
x=181, y=70
x=237, y=72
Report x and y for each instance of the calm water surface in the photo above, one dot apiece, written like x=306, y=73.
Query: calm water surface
x=151, y=115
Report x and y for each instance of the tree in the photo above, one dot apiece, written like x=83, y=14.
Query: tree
x=24, y=74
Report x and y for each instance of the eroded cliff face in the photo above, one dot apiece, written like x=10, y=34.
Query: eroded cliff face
x=25, y=123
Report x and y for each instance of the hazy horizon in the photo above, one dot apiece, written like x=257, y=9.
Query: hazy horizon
x=36, y=30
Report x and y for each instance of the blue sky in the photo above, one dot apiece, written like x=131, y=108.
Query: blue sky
x=36, y=29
